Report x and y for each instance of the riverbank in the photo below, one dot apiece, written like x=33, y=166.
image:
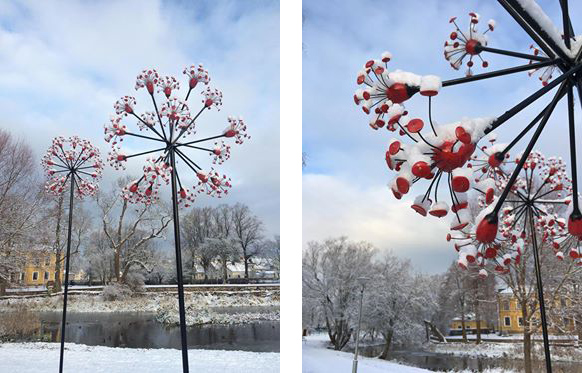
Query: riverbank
x=41, y=357
x=225, y=307
x=317, y=358
x=505, y=350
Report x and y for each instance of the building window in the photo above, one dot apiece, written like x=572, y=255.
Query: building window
x=460, y=326
x=21, y=276
x=47, y=275
x=34, y=276
x=36, y=262
x=47, y=260
x=520, y=321
x=507, y=321
x=506, y=305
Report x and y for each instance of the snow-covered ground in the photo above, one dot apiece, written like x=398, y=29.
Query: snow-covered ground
x=202, y=307
x=505, y=350
x=44, y=357
x=318, y=359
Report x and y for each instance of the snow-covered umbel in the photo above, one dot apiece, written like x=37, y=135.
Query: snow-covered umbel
x=466, y=43
x=441, y=151
x=168, y=124
x=196, y=74
x=545, y=73
x=543, y=184
x=383, y=93
x=213, y=184
x=72, y=160
x=236, y=129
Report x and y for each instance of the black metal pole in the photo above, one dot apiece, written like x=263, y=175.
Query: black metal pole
x=567, y=25
x=493, y=74
x=540, y=294
x=527, y=101
x=547, y=113
x=549, y=44
x=527, y=28
x=67, y=261
x=553, y=44
x=180, y=279
x=482, y=48
x=573, y=167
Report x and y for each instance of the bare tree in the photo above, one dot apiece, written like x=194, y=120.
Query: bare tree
x=196, y=227
x=21, y=199
x=129, y=228
x=98, y=258
x=248, y=231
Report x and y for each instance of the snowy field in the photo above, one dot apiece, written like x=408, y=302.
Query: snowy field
x=44, y=357
x=318, y=359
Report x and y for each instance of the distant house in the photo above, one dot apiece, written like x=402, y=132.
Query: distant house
x=261, y=268
x=236, y=270
x=510, y=314
x=39, y=268
x=456, y=327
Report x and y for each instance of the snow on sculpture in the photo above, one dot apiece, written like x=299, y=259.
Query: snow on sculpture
x=462, y=44
x=171, y=122
x=505, y=204
x=71, y=165
x=72, y=160
x=170, y=126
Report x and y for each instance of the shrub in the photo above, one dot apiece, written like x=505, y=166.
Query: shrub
x=116, y=292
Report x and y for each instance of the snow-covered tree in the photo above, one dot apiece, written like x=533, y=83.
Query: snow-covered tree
x=397, y=302
x=248, y=232
x=21, y=203
x=331, y=270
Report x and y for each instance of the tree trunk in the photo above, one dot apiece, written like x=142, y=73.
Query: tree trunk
x=478, y=319
x=526, y=339
x=387, y=343
x=58, y=249
x=117, y=264
x=527, y=352
x=224, y=273
x=463, y=327
x=246, y=266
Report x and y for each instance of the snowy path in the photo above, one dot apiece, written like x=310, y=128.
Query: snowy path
x=318, y=359
x=44, y=357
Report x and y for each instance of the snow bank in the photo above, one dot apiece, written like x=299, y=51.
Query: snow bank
x=202, y=307
x=44, y=357
x=318, y=359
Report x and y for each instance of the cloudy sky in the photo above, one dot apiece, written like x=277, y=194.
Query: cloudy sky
x=64, y=64
x=344, y=183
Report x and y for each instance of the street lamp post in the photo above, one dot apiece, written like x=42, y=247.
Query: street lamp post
x=355, y=363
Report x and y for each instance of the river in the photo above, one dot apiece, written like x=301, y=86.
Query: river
x=141, y=330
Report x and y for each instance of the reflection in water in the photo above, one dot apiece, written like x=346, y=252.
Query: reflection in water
x=440, y=362
x=139, y=330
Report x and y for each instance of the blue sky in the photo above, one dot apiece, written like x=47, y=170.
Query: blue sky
x=344, y=183
x=64, y=64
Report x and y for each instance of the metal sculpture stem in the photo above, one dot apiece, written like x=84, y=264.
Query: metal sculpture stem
x=533, y=97
x=540, y=294
x=493, y=74
x=67, y=262
x=547, y=113
x=179, y=276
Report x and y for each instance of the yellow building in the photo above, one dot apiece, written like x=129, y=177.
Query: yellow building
x=456, y=327
x=511, y=317
x=39, y=269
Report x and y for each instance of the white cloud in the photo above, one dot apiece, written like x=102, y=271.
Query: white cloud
x=342, y=149
x=64, y=64
x=334, y=206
